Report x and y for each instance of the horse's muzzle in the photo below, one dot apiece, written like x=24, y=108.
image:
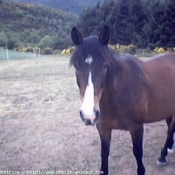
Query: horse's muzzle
x=90, y=119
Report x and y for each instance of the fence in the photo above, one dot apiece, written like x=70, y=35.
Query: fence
x=6, y=54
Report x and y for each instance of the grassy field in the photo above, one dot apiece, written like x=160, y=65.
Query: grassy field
x=13, y=55
x=40, y=128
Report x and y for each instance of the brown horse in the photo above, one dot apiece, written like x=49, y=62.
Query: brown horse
x=119, y=91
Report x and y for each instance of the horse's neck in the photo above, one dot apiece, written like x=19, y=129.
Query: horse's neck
x=124, y=71
x=126, y=82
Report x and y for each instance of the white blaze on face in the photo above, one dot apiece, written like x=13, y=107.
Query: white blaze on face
x=87, y=107
x=88, y=101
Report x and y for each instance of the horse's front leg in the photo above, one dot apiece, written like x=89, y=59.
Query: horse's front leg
x=105, y=137
x=137, y=139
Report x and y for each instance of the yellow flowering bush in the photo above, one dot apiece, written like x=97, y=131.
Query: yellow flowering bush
x=68, y=51
x=159, y=50
x=123, y=48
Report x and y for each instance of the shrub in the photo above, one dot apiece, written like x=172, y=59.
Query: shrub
x=47, y=51
x=159, y=50
x=56, y=52
x=68, y=51
x=29, y=49
x=123, y=48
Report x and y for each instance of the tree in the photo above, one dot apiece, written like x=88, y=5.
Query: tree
x=33, y=37
x=145, y=23
x=13, y=40
x=3, y=39
x=89, y=20
x=130, y=22
x=151, y=30
x=110, y=16
x=45, y=42
x=123, y=26
x=138, y=20
x=167, y=38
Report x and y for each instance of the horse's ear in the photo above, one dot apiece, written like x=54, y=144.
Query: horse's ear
x=76, y=36
x=104, y=35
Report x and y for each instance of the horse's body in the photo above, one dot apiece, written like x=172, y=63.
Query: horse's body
x=125, y=92
x=145, y=91
x=161, y=79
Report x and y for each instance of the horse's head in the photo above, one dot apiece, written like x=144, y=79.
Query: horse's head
x=90, y=59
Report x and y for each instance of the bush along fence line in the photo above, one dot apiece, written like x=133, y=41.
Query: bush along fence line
x=118, y=48
x=44, y=51
x=35, y=52
x=132, y=49
x=160, y=50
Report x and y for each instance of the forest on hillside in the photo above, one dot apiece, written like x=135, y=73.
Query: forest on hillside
x=29, y=24
x=73, y=6
x=144, y=23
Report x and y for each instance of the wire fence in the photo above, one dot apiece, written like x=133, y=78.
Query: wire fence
x=6, y=54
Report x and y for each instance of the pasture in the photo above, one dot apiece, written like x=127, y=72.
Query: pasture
x=12, y=55
x=40, y=127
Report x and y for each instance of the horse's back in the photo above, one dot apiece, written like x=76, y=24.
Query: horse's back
x=162, y=66
x=166, y=57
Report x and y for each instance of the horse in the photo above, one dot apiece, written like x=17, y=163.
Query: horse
x=120, y=91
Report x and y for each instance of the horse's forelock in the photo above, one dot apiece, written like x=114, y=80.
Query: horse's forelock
x=91, y=46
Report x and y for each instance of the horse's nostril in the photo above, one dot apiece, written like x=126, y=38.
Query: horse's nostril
x=87, y=122
x=81, y=115
x=97, y=113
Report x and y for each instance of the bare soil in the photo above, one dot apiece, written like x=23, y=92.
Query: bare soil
x=40, y=128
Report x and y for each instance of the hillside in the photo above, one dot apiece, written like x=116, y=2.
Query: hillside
x=24, y=23
x=74, y=6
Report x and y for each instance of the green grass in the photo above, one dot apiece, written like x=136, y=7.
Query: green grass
x=15, y=55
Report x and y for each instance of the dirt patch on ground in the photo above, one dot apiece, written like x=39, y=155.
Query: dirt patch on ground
x=40, y=128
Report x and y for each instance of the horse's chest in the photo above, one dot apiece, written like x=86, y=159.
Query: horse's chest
x=123, y=115
x=119, y=118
